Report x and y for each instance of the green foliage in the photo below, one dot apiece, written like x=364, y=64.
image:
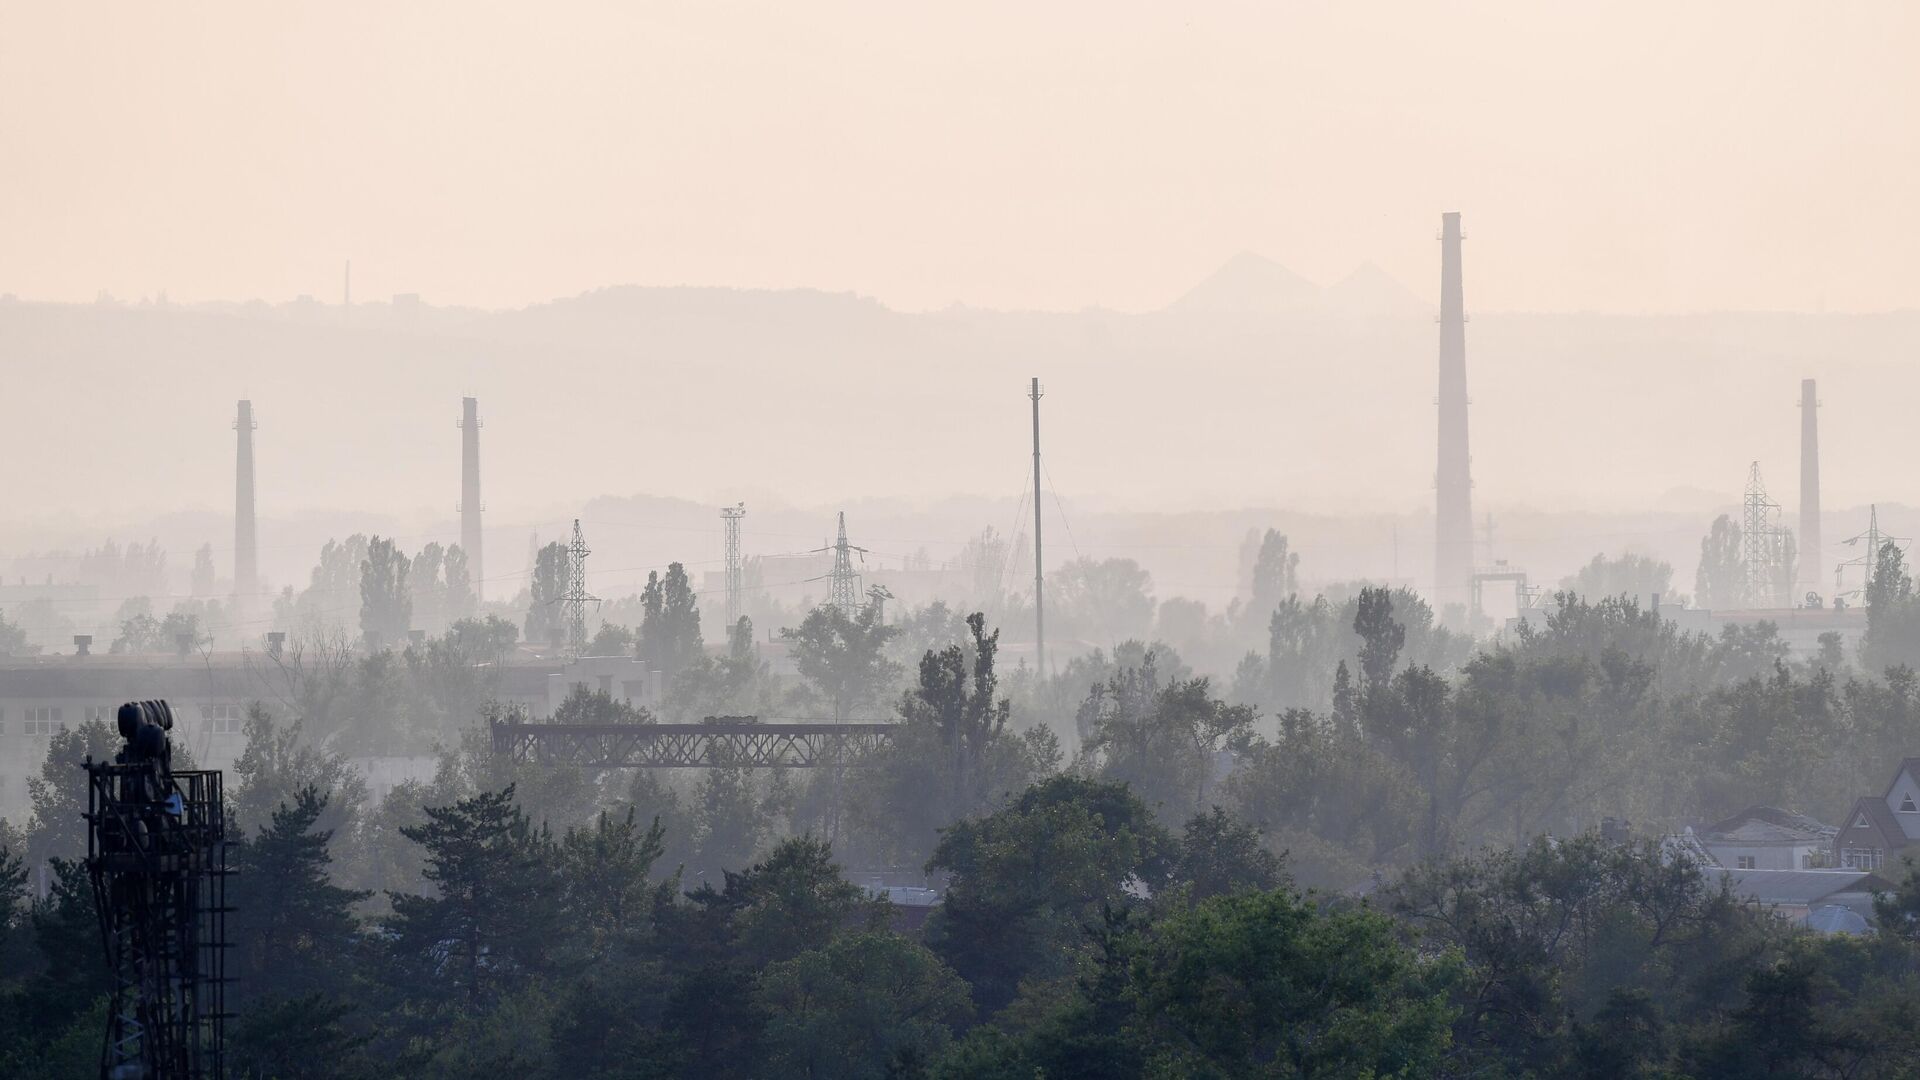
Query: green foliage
x=1218, y=855
x=737, y=684
x=310, y=1037
x=491, y=920
x=58, y=827
x=1721, y=581
x=845, y=659
x=386, y=600
x=950, y=755
x=1893, y=613
x=1165, y=743
x=612, y=639
x=13, y=639
x=295, y=930
x=546, y=589
x=1260, y=984
x=669, y=636
x=1105, y=600
x=1634, y=576
x=278, y=765
x=866, y=1007
x=604, y=872
x=1026, y=881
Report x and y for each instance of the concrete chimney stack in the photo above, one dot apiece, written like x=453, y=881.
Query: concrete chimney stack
x=1812, y=570
x=1453, y=479
x=470, y=493
x=246, y=547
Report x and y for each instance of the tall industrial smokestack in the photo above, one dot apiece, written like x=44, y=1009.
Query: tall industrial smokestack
x=1811, y=569
x=470, y=492
x=246, y=547
x=1453, y=480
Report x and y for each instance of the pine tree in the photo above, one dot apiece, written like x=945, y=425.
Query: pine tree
x=294, y=927
x=494, y=917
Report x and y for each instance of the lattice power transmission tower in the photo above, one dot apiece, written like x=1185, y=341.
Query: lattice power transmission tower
x=1868, y=560
x=736, y=575
x=577, y=598
x=1763, y=546
x=843, y=583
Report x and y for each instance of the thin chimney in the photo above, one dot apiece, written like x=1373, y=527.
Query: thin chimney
x=1453, y=481
x=246, y=550
x=470, y=492
x=1811, y=568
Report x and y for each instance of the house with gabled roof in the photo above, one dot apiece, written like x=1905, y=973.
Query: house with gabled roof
x=1767, y=838
x=1881, y=828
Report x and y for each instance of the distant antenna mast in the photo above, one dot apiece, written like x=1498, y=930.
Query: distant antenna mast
x=730, y=516
x=577, y=597
x=1039, y=606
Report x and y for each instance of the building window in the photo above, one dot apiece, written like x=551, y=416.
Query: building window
x=1854, y=858
x=44, y=720
x=1744, y=862
x=223, y=719
x=105, y=713
x=1907, y=807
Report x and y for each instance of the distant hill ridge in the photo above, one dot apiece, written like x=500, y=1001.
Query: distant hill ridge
x=1253, y=283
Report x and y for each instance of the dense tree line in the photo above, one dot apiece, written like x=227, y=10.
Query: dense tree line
x=1370, y=851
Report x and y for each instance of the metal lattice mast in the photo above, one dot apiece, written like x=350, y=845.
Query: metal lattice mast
x=1869, y=560
x=843, y=585
x=736, y=585
x=577, y=597
x=157, y=859
x=1760, y=541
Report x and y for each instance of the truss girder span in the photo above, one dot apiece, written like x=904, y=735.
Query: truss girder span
x=689, y=746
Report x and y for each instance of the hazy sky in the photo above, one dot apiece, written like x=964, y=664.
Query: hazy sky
x=1621, y=156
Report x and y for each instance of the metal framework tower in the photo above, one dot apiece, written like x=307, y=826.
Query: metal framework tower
x=1039, y=605
x=1868, y=560
x=577, y=598
x=843, y=583
x=1763, y=546
x=470, y=506
x=1453, y=475
x=736, y=576
x=157, y=858
x=1810, y=556
x=246, y=547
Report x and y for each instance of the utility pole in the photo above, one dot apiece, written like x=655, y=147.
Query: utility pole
x=731, y=515
x=1039, y=607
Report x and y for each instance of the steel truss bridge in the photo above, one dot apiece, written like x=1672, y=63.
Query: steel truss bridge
x=727, y=741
